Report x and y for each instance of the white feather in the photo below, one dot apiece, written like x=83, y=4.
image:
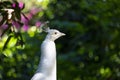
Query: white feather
x=47, y=66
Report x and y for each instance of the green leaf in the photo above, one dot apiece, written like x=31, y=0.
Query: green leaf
x=6, y=43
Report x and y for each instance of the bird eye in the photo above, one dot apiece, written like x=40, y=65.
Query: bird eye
x=55, y=32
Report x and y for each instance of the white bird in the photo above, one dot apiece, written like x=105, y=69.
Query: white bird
x=47, y=65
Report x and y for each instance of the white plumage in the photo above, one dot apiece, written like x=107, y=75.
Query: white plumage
x=47, y=66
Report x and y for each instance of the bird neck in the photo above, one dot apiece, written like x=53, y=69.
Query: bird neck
x=47, y=63
x=49, y=37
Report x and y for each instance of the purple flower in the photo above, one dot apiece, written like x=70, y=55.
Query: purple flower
x=34, y=11
x=4, y=26
x=13, y=5
x=24, y=20
x=16, y=24
x=21, y=5
x=38, y=24
x=25, y=27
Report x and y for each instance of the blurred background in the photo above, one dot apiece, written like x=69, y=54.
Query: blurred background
x=89, y=51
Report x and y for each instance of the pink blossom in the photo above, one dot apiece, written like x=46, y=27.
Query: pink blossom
x=29, y=16
x=16, y=24
x=25, y=27
x=34, y=11
x=4, y=26
x=13, y=5
x=21, y=5
x=24, y=20
x=38, y=24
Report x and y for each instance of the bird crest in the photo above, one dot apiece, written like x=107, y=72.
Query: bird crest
x=53, y=34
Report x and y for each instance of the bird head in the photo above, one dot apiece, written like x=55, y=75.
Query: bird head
x=53, y=34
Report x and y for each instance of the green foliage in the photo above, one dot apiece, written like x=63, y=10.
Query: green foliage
x=92, y=40
x=89, y=51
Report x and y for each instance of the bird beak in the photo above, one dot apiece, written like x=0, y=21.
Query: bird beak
x=63, y=34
